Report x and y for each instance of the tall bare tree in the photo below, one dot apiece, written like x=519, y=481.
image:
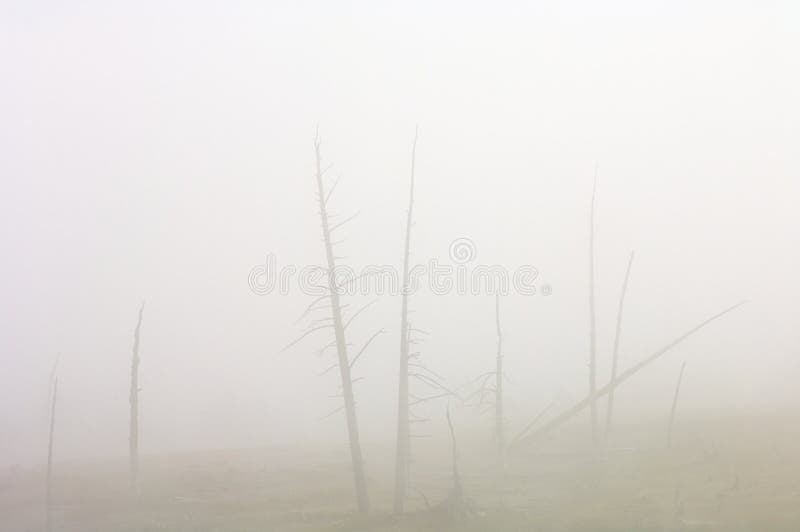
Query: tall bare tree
x=339, y=325
x=403, y=444
x=615, y=354
x=592, y=321
x=411, y=366
x=489, y=390
x=133, y=438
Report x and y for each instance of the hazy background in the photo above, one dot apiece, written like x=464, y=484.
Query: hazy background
x=159, y=150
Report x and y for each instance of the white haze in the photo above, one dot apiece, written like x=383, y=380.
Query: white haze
x=159, y=150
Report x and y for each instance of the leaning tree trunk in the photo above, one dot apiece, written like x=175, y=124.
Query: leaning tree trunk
x=592, y=322
x=403, y=451
x=134, y=404
x=625, y=375
x=499, y=427
x=362, y=496
x=615, y=354
x=49, y=487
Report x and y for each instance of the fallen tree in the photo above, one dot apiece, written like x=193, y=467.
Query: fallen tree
x=614, y=383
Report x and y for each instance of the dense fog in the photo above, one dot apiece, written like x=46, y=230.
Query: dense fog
x=161, y=152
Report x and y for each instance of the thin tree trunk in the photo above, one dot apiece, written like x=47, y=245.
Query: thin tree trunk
x=403, y=450
x=592, y=322
x=362, y=497
x=674, y=405
x=458, y=490
x=499, y=427
x=49, y=487
x=625, y=375
x=615, y=354
x=133, y=440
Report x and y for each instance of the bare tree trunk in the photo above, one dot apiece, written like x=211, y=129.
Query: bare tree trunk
x=592, y=322
x=615, y=354
x=674, y=405
x=499, y=426
x=133, y=439
x=625, y=375
x=362, y=496
x=457, y=497
x=403, y=450
x=49, y=488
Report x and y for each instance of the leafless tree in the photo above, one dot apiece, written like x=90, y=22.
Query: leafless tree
x=362, y=497
x=336, y=321
x=403, y=444
x=458, y=490
x=133, y=440
x=457, y=504
x=411, y=367
x=615, y=354
x=674, y=405
x=490, y=393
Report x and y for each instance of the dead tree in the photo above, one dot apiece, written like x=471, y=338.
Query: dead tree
x=133, y=439
x=488, y=394
x=615, y=354
x=458, y=490
x=674, y=406
x=336, y=321
x=457, y=504
x=625, y=375
x=49, y=482
x=491, y=394
x=521, y=434
x=499, y=426
x=592, y=321
x=411, y=367
x=403, y=443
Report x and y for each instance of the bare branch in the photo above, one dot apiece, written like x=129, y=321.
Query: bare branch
x=329, y=414
x=359, y=311
x=333, y=187
x=366, y=344
x=429, y=398
x=326, y=347
x=297, y=340
x=423, y=368
x=339, y=224
x=433, y=383
x=328, y=369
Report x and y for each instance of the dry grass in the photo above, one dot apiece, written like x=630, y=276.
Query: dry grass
x=726, y=474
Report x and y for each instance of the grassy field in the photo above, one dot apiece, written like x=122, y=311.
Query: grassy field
x=736, y=473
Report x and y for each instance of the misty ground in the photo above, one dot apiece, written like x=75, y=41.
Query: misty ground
x=735, y=472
